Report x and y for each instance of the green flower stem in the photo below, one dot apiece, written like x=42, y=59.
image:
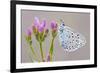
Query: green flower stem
x=51, y=49
x=41, y=50
x=30, y=57
x=28, y=52
x=34, y=54
x=30, y=45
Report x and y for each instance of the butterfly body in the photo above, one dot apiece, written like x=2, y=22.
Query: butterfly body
x=70, y=40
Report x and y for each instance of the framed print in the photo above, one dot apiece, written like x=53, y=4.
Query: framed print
x=52, y=36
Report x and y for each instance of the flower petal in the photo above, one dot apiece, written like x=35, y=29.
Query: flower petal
x=43, y=24
x=36, y=22
x=41, y=28
x=29, y=32
x=53, y=25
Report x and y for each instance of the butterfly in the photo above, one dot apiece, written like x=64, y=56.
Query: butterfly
x=69, y=39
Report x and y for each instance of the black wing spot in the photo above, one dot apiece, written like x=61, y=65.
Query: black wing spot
x=77, y=34
x=72, y=36
x=73, y=47
x=72, y=33
x=69, y=47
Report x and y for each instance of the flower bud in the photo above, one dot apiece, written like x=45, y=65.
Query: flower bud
x=53, y=25
x=29, y=32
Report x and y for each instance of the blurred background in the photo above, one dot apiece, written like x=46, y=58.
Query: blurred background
x=80, y=22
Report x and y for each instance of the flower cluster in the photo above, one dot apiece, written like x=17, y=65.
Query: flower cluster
x=54, y=28
x=39, y=29
x=28, y=36
x=40, y=32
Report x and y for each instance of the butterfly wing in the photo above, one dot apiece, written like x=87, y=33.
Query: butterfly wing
x=69, y=39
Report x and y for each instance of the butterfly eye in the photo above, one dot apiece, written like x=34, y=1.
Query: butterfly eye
x=63, y=24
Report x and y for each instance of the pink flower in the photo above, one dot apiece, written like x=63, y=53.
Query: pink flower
x=39, y=26
x=36, y=22
x=53, y=25
x=29, y=32
x=54, y=28
x=42, y=26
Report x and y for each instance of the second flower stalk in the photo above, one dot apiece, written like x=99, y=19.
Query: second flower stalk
x=40, y=32
x=54, y=33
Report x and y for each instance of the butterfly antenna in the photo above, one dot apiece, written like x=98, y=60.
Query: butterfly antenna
x=60, y=21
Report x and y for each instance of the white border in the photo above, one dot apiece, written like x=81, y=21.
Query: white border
x=20, y=65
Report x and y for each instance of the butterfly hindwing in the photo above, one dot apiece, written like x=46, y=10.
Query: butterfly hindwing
x=69, y=39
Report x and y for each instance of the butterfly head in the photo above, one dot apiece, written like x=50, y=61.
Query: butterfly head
x=62, y=25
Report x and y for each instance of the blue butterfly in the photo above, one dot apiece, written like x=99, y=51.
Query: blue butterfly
x=70, y=40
